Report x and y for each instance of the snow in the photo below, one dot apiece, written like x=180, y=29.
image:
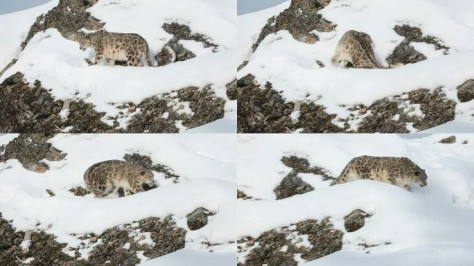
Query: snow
x=187, y=257
x=19, y=24
x=61, y=67
x=291, y=65
x=436, y=219
x=205, y=163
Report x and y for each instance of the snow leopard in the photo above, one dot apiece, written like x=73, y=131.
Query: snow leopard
x=355, y=50
x=399, y=171
x=119, y=177
x=129, y=47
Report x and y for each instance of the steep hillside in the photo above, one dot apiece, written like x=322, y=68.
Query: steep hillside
x=289, y=213
x=48, y=217
x=288, y=83
x=48, y=84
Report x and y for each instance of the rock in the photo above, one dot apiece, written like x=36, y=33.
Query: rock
x=448, y=140
x=435, y=106
x=79, y=191
x=290, y=186
x=301, y=19
x=166, y=235
x=279, y=246
x=466, y=91
x=43, y=247
x=50, y=192
x=232, y=90
x=263, y=110
x=9, y=236
x=198, y=218
x=355, y=220
x=172, y=52
x=414, y=34
x=146, y=162
x=404, y=54
x=67, y=17
x=205, y=105
x=183, y=32
x=30, y=150
x=28, y=109
x=242, y=195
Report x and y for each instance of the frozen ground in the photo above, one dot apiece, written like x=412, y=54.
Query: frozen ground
x=60, y=65
x=291, y=65
x=430, y=225
x=206, y=165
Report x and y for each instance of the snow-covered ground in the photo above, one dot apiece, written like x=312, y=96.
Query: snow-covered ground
x=291, y=66
x=430, y=225
x=205, y=163
x=60, y=65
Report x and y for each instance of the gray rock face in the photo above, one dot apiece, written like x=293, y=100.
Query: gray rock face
x=355, y=220
x=267, y=248
x=466, y=91
x=198, y=218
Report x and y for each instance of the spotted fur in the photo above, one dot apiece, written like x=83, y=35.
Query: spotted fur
x=114, y=176
x=128, y=47
x=399, y=171
x=355, y=50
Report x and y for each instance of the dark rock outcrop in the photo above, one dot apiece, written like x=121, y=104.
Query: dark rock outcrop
x=414, y=34
x=263, y=110
x=43, y=247
x=178, y=52
x=116, y=246
x=28, y=109
x=448, y=140
x=355, y=220
x=205, y=105
x=267, y=248
x=198, y=218
x=67, y=17
x=30, y=150
x=300, y=19
x=146, y=162
x=292, y=184
x=466, y=91
x=404, y=54
x=435, y=106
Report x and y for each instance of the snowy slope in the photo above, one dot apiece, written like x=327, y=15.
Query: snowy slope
x=291, y=66
x=430, y=225
x=205, y=164
x=15, y=27
x=60, y=65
